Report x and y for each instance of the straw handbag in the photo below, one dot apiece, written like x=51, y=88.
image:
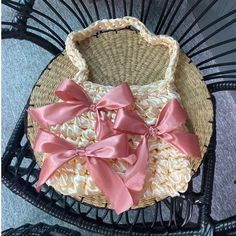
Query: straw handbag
x=101, y=57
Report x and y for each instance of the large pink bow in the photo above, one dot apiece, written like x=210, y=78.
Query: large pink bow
x=76, y=101
x=167, y=127
x=96, y=155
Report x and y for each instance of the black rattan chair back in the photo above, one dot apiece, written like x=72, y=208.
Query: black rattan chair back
x=46, y=24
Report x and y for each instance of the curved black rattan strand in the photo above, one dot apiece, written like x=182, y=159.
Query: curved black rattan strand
x=41, y=23
x=188, y=214
x=165, y=4
x=220, y=77
x=48, y=28
x=216, y=56
x=173, y=16
x=105, y=213
x=222, y=43
x=40, y=229
x=96, y=10
x=45, y=33
x=227, y=225
x=160, y=213
x=211, y=35
x=85, y=9
x=30, y=173
x=179, y=212
x=231, y=63
x=125, y=7
x=171, y=214
x=185, y=17
x=142, y=10
x=174, y=217
x=58, y=15
x=131, y=7
x=119, y=217
x=213, y=23
x=43, y=15
x=34, y=38
x=208, y=76
x=127, y=221
x=113, y=8
x=82, y=21
x=222, y=86
x=36, y=29
x=155, y=217
x=203, y=13
x=38, y=21
x=147, y=11
x=207, y=179
x=166, y=16
x=108, y=9
x=135, y=220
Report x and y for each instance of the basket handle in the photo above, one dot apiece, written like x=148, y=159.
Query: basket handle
x=114, y=24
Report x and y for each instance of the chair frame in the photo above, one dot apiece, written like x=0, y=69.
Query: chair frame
x=40, y=229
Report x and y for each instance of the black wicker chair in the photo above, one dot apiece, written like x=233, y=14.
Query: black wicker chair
x=188, y=214
x=40, y=230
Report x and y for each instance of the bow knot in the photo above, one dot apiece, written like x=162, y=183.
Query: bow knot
x=153, y=131
x=93, y=107
x=76, y=101
x=80, y=151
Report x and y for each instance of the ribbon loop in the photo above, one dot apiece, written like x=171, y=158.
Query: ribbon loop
x=75, y=101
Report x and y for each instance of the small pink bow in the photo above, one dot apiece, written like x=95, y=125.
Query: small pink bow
x=76, y=101
x=167, y=127
x=96, y=155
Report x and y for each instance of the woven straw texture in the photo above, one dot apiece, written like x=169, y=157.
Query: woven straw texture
x=114, y=57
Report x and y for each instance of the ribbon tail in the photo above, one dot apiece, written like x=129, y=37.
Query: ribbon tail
x=135, y=175
x=110, y=184
x=50, y=165
x=185, y=142
x=104, y=126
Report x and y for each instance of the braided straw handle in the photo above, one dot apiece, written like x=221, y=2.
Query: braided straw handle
x=119, y=23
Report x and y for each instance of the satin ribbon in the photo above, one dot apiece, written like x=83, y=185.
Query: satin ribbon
x=167, y=127
x=60, y=152
x=76, y=101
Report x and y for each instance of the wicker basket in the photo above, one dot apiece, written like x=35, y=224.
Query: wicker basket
x=116, y=54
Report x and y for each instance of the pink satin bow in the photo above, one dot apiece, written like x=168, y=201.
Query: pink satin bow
x=167, y=127
x=96, y=155
x=76, y=101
